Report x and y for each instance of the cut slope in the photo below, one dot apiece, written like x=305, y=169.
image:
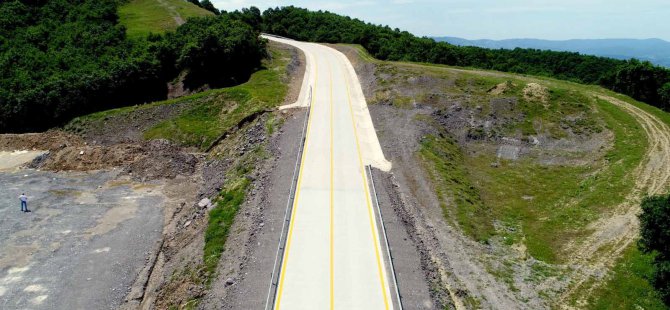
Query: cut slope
x=142, y=17
x=531, y=179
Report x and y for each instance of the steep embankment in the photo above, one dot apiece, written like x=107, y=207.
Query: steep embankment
x=516, y=189
x=142, y=17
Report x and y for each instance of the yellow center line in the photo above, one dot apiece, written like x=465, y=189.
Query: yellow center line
x=332, y=202
x=367, y=197
x=298, y=186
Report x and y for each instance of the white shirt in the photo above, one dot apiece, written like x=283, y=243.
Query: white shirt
x=23, y=198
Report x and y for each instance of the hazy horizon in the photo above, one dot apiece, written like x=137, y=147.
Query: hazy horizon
x=524, y=38
x=496, y=20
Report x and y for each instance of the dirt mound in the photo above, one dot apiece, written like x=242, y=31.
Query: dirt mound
x=47, y=141
x=84, y=158
x=161, y=159
x=125, y=127
x=68, y=152
x=536, y=92
x=501, y=88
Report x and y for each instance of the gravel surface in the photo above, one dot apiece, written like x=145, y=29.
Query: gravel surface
x=412, y=285
x=247, y=264
x=84, y=242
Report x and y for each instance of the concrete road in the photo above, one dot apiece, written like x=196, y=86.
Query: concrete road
x=333, y=257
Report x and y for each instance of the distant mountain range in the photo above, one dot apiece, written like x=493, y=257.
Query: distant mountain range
x=656, y=51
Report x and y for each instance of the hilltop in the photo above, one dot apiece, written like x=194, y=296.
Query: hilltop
x=142, y=17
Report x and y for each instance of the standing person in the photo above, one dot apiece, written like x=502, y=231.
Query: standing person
x=24, y=202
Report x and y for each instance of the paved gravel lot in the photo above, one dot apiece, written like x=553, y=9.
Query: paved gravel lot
x=84, y=242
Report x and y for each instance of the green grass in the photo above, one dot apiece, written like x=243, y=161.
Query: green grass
x=219, y=111
x=127, y=110
x=220, y=220
x=210, y=114
x=141, y=17
x=444, y=163
x=228, y=203
x=542, y=206
x=628, y=287
x=564, y=198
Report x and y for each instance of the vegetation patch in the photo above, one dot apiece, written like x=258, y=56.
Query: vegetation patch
x=228, y=203
x=541, y=205
x=628, y=286
x=547, y=206
x=445, y=165
x=142, y=17
x=220, y=219
x=218, y=111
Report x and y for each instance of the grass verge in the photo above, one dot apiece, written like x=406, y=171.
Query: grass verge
x=220, y=219
x=228, y=203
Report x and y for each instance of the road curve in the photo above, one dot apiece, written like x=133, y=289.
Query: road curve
x=333, y=256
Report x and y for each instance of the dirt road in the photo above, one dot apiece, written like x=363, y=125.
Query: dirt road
x=613, y=233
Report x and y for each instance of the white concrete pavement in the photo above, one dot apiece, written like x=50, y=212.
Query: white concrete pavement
x=333, y=258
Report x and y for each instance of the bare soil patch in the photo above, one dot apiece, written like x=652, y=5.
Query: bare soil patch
x=501, y=88
x=536, y=92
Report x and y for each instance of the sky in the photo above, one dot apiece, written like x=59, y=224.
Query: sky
x=499, y=19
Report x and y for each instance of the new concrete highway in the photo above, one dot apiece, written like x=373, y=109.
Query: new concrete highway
x=333, y=256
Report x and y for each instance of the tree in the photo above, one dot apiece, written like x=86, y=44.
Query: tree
x=207, y=5
x=251, y=16
x=639, y=80
x=217, y=51
x=655, y=239
x=664, y=93
x=60, y=59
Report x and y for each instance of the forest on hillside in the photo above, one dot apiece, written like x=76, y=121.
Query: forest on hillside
x=60, y=59
x=640, y=80
x=64, y=58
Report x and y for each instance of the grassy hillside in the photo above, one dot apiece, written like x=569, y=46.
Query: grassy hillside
x=205, y=116
x=142, y=17
x=573, y=160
